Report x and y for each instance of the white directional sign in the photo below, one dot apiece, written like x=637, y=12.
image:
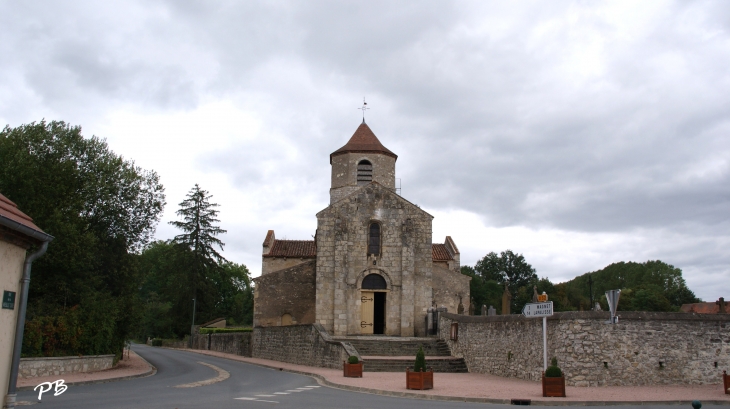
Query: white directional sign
x=538, y=309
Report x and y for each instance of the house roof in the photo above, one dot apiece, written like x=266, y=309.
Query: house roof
x=363, y=141
x=701, y=308
x=439, y=253
x=10, y=210
x=293, y=248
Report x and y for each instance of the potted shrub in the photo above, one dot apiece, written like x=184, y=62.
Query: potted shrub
x=553, y=381
x=352, y=368
x=726, y=382
x=420, y=378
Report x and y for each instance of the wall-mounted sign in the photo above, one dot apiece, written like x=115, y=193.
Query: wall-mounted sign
x=8, y=300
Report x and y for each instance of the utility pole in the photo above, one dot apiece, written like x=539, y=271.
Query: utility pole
x=192, y=326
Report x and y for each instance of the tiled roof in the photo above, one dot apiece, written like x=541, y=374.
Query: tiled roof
x=10, y=210
x=293, y=248
x=364, y=141
x=701, y=308
x=439, y=253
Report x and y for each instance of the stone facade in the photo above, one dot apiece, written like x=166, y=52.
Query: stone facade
x=404, y=261
x=35, y=367
x=642, y=349
x=289, y=291
x=300, y=344
x=450, y=288
x=368, y=234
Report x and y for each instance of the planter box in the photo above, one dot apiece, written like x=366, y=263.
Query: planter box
x=726, y=382
x=553, y=387
x=419, y=380
x=352, y=370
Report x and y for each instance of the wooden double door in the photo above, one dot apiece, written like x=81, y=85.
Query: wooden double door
x=372, y=312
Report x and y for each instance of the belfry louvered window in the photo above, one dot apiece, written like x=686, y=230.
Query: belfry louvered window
x=364, y=172
x=374, y=239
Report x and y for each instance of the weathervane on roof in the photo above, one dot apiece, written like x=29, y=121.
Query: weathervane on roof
x=363, y=108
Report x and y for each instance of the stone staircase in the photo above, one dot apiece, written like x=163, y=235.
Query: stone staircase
x=394, y=354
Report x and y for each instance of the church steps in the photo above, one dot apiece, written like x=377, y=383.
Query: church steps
x=393, y=354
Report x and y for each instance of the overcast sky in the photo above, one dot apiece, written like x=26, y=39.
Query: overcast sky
x=576, y=133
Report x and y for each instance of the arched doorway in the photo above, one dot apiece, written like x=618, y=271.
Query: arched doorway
x=372, y=304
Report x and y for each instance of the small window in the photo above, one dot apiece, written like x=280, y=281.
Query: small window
x=374, y=239
x=374, y=282
x=286, y=319
x=364, y=172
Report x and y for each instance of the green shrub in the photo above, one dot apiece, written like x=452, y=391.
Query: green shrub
x=205, y=331
x=156, y=342
x=553, y=371
x=420, y=365
x=353, y=360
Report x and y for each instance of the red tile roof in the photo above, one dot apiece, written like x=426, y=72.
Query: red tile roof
x=363, y=141
x=293, y=248
x=701, y=308
x=439, y=253
x=10, y=210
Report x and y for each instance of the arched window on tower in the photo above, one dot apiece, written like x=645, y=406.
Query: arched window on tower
x=364, y=172
x=374, y=239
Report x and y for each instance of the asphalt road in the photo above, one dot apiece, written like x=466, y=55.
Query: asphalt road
x=249, y=386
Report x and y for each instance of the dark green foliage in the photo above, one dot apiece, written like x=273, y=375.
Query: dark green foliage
x=156, y=342
x=420, y=365
x=101, y=209
x=224, y=330
x=489, y=275
x=353, y=360
x=553, y=371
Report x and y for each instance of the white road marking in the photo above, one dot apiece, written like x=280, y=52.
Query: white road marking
x=293, y=390
x=270, y=401
x=222, y=376
x=281, y=393
x=265, y=396
x=245, y=398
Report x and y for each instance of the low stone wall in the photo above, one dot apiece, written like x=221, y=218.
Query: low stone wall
x=642, y=349
x=307, y=344
x=238, y=343
x=34, y=367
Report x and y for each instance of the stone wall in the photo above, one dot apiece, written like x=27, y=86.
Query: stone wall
x=344, y=173
x=448, y=285
x=300, y=344
x=59, y=366
x=642, y=349
x=273, y=264
x=290, y=291
x=237, y=343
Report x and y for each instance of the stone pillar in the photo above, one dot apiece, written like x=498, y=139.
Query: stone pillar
x=492, y=311
x=484, y=310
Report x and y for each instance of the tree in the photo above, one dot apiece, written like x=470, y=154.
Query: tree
x=508, y=266
x=198, y=225
x=102, y=209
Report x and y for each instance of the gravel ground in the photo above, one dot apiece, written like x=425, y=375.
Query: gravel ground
x=472, y=385
x=133, y=365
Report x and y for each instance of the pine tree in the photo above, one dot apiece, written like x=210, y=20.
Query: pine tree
x=199, y=227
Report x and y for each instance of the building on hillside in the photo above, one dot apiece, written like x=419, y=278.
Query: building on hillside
x=372, y=267
x=18, y=234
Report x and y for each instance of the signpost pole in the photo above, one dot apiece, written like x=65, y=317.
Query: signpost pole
x=544, y=343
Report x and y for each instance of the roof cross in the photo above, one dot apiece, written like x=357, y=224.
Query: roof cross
x=363, y=108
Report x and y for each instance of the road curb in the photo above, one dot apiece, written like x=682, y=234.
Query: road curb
x=323, y=381
x=152, y=370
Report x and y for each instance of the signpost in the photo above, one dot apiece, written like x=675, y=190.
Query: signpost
x=544, y=310
x=612, y=297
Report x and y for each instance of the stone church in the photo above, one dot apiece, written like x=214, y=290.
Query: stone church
x=372, y=267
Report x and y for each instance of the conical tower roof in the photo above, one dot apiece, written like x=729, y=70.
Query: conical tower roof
x=363, y=141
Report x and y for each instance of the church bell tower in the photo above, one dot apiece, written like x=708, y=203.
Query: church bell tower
x=362, y=160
